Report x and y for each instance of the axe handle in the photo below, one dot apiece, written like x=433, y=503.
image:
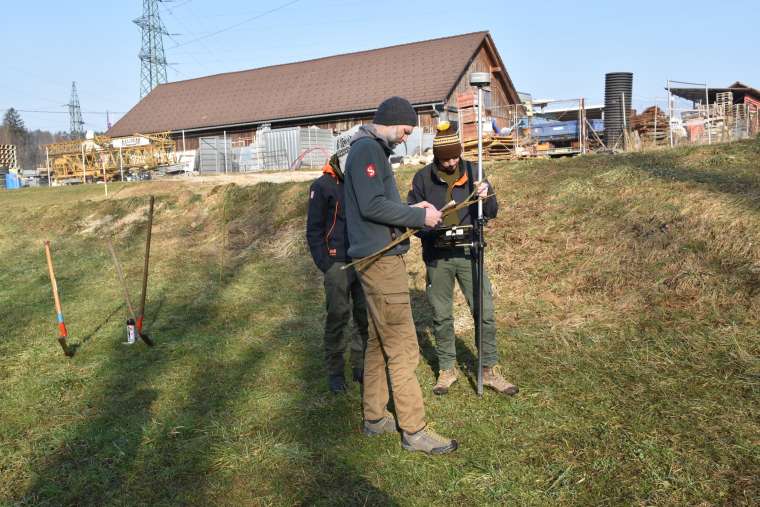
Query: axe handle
x=51, y=272
x=144, y=294
x=62, y=331
x=122, y=281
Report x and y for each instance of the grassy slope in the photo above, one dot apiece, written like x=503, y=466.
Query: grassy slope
x=627, y=291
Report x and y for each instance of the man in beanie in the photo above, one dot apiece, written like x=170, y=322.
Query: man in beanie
x=328, y=244
x=375, y=216
x=447, y=178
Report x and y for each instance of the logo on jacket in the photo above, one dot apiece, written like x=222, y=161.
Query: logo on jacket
x=370, y=170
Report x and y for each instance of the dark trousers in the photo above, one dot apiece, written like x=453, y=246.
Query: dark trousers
x=440, y=292
x=342, y=288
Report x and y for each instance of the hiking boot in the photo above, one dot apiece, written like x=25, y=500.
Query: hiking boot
x=358, y=374
x=492, y=378
x=445, y=379
x=428, y=441
x=337, y=384
x=385, y=425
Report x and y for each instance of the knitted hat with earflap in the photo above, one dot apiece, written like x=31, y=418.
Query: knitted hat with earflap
x=446, y=143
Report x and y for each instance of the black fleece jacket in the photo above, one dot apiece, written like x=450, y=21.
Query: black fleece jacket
x=326, y=219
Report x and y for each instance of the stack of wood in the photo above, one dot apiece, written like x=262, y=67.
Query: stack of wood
x=651, y=125
x=468, y=115
x=501, y=148
x=494, y=148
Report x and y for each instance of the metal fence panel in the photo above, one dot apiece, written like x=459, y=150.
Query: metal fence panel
x=212, y=155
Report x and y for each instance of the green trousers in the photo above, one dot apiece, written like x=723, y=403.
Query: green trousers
x=440, y=293
x=342, y=288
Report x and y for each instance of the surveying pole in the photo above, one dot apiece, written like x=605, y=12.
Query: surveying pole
x=480, y=80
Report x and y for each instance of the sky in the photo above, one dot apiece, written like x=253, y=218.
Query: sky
x=552, y=49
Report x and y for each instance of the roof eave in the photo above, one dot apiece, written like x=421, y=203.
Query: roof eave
x=322, y=116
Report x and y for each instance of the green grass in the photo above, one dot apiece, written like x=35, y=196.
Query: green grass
x=627, y=292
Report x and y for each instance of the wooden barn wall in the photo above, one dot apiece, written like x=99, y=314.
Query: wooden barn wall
x=482, y=62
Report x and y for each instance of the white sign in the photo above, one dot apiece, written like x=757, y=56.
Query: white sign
x=126, y=142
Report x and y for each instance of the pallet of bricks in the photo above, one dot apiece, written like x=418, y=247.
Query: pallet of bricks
x=7, y=161
x=494, y=147
x=652, y=126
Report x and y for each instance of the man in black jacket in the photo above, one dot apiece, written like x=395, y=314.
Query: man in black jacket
x=447, y=178
x=328, y=244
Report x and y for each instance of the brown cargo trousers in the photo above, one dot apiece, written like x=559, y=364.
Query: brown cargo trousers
x=392, y=342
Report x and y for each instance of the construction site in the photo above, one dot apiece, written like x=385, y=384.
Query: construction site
x=252, y=120
x=260, y=286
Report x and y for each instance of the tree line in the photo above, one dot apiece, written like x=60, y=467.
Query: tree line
x=30, y=144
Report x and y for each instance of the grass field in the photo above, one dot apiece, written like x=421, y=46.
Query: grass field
x=627, y=294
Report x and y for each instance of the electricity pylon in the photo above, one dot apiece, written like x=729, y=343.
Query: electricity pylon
x=152, y=57
x=76, y=124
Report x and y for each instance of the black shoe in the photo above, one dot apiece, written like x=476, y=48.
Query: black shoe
x=337, y=384
x=358, y=375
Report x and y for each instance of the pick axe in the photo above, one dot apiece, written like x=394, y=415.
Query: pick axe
x=123, y=282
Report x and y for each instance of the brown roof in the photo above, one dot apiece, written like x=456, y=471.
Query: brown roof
x=698, y=94
x=423, y=72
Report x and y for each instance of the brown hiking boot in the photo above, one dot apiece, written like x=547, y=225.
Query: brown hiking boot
x=428, y=441
x=492, y=378
x=385, y=425
x=445, y=379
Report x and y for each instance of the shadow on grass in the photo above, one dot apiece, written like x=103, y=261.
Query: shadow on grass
x=121, y=452
x=423, y=321
x=325, y=423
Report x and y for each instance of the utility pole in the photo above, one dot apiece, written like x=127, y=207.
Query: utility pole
x=152, y=57
x=76, y=124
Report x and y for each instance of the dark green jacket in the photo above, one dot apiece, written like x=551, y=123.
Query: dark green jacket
x=375, y=214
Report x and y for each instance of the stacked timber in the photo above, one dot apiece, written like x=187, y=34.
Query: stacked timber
x=494, y=148
x=8, y=156
x=468, y=115
x=651, y=126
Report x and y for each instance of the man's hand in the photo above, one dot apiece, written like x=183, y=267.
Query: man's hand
x=483, y=190
x=432, y=215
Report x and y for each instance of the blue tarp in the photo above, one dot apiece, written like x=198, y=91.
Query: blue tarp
x=12, y=181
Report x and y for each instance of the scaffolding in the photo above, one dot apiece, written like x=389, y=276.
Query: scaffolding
x=101, y=158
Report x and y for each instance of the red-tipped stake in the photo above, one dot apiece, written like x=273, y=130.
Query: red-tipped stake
x=62, y=332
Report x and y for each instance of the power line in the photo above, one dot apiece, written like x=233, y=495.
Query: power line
x=231, y=27
x=42, y=111
x=176, y=42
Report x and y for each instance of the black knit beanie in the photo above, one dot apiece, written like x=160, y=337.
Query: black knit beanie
x=395, y=111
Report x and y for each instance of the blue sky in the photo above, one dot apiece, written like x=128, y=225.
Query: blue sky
x=552, y=49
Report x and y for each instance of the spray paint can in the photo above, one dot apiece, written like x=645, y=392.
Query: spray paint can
x=131, y=332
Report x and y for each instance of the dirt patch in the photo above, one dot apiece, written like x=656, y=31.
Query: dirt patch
x=92, y=223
